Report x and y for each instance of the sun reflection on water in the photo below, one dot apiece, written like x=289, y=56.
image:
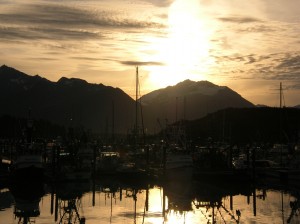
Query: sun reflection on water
x=130, y=205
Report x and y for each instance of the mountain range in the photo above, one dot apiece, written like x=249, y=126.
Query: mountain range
x=99, y=108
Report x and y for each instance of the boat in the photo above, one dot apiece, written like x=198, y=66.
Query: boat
x=68, y=204
x=178, y=158
x=130, y=171
x=108, y=162
x=27, y=197
x=29, y=163
x=259, y=168
x=4, y=169
x=133, y=163
x=179, y=164
x=78, y=167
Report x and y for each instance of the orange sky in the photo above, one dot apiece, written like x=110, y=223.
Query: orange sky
x=249, y=46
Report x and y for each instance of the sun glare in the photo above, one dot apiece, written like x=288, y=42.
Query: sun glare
x=185, y=53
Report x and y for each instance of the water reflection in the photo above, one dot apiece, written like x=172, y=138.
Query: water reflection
x=68, y=201
x=110, y=200
x=27, y=197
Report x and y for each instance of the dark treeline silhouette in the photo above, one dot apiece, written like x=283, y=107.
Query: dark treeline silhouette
x=248, y=125
x=232, y=125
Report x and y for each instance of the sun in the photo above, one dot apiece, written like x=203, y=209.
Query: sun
x=185, y=52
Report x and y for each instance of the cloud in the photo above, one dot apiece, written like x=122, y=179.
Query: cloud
x=294, y=86
x=246, y=59
x=160, y=3
x=239, y=19
x=27, y=33
x=86, y=58
x=282, y=67
x=251, y=59
x=257, y=29
x=290, y=62
x=43, y=59
x=141, y=63
x=275, y=66
x=63, y=15
x=56, y=21
x=282, y=10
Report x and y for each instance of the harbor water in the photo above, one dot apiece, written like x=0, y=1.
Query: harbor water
x=111, y=201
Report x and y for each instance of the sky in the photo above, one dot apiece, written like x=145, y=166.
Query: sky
x=249, y=46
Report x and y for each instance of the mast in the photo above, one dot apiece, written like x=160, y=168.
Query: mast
x=176, y=109
x=280, y=97
x=136, y=100
x=136, y=108
x=280, y=122
x=136, y=128
x=113, y=124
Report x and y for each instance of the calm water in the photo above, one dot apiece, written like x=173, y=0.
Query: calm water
x=110, y=201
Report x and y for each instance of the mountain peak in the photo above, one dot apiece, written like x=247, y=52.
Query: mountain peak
x=202, y=83
x=17, y=76
x=185, y=82
x=191, y=82
x=3, y=66
x=188, y=87
x=12, y=73
x=71, y=81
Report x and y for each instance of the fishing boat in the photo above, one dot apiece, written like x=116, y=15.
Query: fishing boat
x=178, y=173
x=179, y=164
x=29, y=163
x=261, y=168
x=77, y=167
x=68, y=202
x=108, y=162
x=27, y=197
x=178, y=158
x=4, y=169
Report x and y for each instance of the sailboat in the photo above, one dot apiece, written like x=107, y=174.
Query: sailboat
x=135, y=163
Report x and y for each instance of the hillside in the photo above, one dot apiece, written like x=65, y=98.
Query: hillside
x=248, y=125
x=69, y=102
x=190, y=100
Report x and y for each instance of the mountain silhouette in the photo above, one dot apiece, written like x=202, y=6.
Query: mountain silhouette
x=190, y=100
x=102, y=109
x=70, y=102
